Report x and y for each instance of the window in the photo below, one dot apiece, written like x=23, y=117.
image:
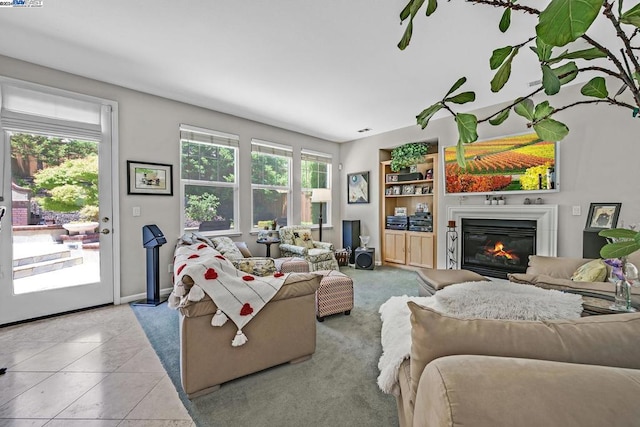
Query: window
x=209, y=180
x=316, y=173
x=270, y=183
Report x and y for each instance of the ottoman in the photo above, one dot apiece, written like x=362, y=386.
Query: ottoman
x=291, y=265
x=431, y=280
x=334, y=295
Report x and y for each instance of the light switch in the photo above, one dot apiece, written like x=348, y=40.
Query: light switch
x=576, y=211
x=136, y=211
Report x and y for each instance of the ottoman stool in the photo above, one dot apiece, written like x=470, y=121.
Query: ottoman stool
x=334, y=295
x=431, y=280
x=291, y=265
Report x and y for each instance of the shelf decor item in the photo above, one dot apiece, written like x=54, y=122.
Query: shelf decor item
x=408, y=155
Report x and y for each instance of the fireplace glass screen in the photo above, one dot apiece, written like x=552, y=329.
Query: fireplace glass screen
x=495, y=248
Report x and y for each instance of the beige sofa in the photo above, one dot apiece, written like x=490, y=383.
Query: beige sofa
x=556, y=272
x=492, y=373
x=284, y=331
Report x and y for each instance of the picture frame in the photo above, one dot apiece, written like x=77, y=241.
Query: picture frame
x=602, y=216
x=358, y=187
x=400, y=211
x=397, y=190
x=152, y=179
x=408, y=189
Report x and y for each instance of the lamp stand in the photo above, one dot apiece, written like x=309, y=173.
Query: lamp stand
x=320, y=225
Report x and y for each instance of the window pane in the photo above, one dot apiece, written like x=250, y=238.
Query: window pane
x=209, y=203
x=269, y=170
x=314, y=174
x=207, y=162
x=269, y=205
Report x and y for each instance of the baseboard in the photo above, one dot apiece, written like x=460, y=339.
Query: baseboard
x=131, y=298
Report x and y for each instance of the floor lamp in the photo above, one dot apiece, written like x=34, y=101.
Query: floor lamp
x=320, y=195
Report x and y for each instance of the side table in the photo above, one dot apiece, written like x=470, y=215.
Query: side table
x=268, y=242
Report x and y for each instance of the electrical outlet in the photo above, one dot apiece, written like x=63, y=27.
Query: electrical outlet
x=576, y=211
x=170, y=268
x=136, y=211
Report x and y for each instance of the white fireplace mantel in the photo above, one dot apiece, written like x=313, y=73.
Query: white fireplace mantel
x=546, y=217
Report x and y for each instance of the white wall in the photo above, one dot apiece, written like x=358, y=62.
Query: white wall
x=149, y=131
x=598, y=163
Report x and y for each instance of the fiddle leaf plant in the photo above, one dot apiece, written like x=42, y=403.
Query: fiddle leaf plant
x=623, y=242
x=560, y=24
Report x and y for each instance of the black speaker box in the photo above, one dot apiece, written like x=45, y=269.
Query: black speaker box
x=591, y=244
x=365, y=258
x=351, y=237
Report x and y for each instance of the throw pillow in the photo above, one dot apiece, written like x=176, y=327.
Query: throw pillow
x=255, y=266
x=227, y=248
x=244, y=250
x=593, y=340
x=593, y=271
x=303, y=238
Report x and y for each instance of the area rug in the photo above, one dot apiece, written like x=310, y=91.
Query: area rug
x=484, y=300
x=336, y=387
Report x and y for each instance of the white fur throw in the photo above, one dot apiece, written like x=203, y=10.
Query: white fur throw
x=487, y=300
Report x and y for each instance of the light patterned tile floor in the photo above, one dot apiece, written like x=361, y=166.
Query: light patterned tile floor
x=90, y=369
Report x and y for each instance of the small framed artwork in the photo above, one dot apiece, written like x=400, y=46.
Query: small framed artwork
x=400, y=211
x=149, y=178
x=388, y=191
x=358, y=187
x=418, y=190
x=408, y=189
x=602, y=216
x=397, y=190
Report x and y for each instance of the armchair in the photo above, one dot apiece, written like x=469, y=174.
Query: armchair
x=296, y=241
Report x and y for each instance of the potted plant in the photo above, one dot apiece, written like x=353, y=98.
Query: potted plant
x=204, y=209
x=408, y=154
x=622, y=243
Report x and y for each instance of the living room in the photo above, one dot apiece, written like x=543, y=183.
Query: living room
x=596, y=164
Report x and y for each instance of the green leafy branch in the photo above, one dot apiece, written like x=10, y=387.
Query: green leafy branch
x=559, y=24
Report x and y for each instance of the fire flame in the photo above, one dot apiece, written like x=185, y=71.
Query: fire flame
x=499, y=251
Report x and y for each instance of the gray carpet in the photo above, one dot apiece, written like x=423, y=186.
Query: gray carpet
x=337, y=387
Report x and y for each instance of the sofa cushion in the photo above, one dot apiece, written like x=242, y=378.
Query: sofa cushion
x=244, y=250
x=227, y=247
x=560, y=267
x=303, y=238
x=596, y=340
x=593, y=271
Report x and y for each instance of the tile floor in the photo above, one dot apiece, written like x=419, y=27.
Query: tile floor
x=92, y=369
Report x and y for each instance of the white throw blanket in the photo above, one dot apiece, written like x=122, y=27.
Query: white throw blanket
x=238, y=295
x=486, y=300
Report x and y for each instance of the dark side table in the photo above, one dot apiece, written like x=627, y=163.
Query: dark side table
x=268, y=242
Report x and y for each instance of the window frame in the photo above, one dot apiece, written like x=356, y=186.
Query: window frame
x=216, y=139
x=278, y=150
x=327, y=217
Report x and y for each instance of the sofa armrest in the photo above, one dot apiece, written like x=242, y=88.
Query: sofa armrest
x=485, y=391
x=323, y=245
x=299, y=250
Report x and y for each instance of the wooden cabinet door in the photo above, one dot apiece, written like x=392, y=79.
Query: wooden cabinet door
x=420, y=250
x=394, y=242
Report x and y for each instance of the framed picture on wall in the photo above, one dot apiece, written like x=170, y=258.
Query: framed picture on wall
x=358, y=187
x=602, y=216
x=149, y=178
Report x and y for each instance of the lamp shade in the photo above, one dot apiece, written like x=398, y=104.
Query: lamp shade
x=319, y=195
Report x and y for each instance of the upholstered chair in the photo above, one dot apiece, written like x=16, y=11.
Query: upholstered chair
x=296, y=241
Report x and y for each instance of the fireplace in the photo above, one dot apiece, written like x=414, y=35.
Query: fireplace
x=496, y=247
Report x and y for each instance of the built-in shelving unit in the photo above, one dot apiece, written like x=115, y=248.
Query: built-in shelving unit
x=405, y=247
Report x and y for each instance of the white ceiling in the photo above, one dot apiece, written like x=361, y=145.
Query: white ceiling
x=323, y=68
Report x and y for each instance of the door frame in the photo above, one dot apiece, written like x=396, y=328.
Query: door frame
x=115, y=170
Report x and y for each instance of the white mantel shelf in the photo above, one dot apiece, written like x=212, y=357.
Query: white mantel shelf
x=546, y=217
